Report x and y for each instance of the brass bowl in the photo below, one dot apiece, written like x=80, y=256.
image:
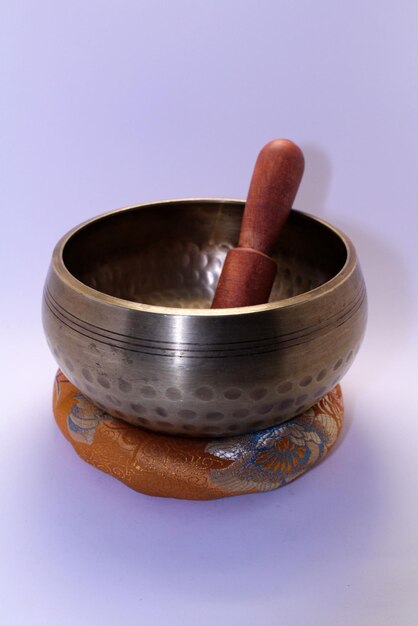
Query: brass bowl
x=126, y=315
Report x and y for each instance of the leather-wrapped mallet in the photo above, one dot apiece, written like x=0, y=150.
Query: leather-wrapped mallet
x=248, y=273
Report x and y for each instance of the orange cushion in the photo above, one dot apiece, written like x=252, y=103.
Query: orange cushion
x=196, y=468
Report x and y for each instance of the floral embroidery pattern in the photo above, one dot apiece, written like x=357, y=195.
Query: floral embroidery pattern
x=274, y=457
x=84, y=418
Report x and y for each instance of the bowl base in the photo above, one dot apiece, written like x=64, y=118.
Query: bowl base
x=196, y=468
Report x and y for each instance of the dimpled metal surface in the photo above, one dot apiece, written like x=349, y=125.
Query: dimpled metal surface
x=126, y=314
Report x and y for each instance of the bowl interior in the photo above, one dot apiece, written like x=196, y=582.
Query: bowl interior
x=171, y=254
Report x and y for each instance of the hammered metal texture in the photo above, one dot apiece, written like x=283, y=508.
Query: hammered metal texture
x=200, y=373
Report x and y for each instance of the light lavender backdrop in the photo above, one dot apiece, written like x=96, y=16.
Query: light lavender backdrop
x=109, y=103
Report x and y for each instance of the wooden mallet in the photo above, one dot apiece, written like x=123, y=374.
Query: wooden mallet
x=248, y=273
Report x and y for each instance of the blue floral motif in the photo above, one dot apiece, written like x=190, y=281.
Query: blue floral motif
x=273, y=457
x=84, y=418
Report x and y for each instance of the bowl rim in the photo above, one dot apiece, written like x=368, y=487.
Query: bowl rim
x=92, y=294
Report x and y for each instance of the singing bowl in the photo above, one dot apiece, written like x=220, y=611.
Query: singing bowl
x=126, y=314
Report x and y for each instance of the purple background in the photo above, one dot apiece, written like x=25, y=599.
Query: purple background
x=110, y=103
